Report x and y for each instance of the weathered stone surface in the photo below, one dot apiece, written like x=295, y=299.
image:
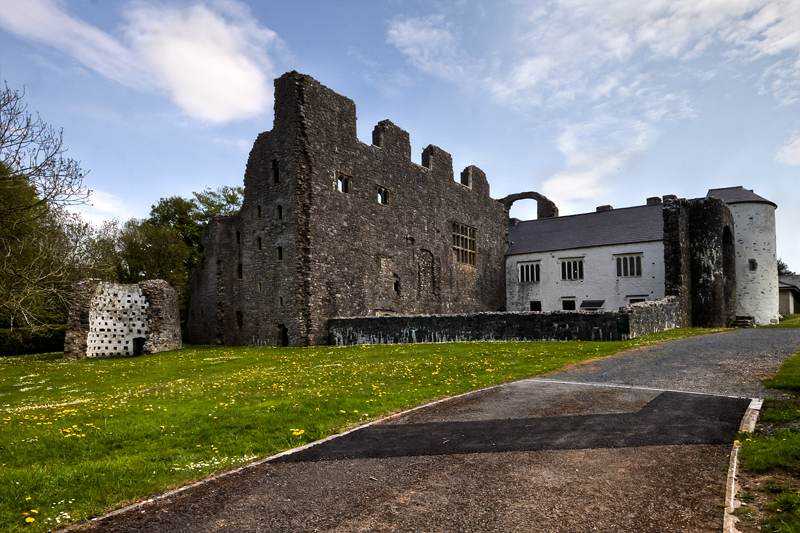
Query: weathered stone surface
x=558, y=325
x=700, y=260
x=113, y=319
x=333, y=227
x=654, y=315
x=631, y=321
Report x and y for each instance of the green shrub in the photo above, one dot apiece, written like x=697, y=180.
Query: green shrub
x=21, y=341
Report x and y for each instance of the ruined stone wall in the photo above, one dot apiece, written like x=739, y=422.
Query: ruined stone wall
x=112, y=319
x=331, y=227
x=713, y=263
x=677, y=256
x=553, y=326
x=699, y=260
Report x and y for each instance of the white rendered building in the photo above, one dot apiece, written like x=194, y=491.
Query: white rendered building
x=615, y=257
x=601, y=260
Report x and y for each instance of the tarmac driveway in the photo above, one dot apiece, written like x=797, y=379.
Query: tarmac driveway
x=608, y=445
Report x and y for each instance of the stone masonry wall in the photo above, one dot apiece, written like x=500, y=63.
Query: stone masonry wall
x=699, y=260
x=331, y=226
x=654, y=316
x=554, y=326
x=632, y=321
x=112, y=319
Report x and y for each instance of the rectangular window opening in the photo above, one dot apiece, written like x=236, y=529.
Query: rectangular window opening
x=344, y=184
x=464, y=247
x=572, y=269
x=529, y=272
x=629, y=266
x=274, y=172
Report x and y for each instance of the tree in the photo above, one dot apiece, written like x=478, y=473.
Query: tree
x=140, y=251
x=783, y=269
x=42, y=247
x=185, y=218
x=34, y=153
x=188, y=216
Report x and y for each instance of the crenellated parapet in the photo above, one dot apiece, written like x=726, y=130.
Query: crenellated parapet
x=331, y=226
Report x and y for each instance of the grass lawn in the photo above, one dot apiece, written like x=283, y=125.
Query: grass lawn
x=78, y=438
x=770, y=459
x=789, y=321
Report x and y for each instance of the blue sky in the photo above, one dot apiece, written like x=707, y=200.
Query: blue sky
x=588, y=102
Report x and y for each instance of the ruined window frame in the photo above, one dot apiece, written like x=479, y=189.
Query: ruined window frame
x=344, y=183
x=536, y=306
x=279, y=253
x=383, y=195
x=529, y=272
x=278, y=212
x=571, y=268
x=274, y=172
x=464, y=243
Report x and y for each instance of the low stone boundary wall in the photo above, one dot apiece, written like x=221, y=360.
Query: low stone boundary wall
x=632, y=321
x=653, y=316
x=555, y=326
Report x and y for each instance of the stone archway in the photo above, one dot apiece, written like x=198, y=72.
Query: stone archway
x=545, y=208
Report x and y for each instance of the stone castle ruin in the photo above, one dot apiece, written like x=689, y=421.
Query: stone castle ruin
x=331, y=227
x=334, y=227
x=111, y=319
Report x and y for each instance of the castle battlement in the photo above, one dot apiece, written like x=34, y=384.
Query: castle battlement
x=331, y=226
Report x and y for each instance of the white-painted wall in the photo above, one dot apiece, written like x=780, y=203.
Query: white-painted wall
x=757, y=290
x=600, y=281
x=117, y=315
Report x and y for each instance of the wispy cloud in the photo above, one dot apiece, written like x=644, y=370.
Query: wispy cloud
x=214, y=60
x=102, y=207
x=431, y=46
x=46, y=22
x=789, y=153
x=611, y=73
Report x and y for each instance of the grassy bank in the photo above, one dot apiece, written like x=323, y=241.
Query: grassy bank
x=82, y=437
x=770, y=460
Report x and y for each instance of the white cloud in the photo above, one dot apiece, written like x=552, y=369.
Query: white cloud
x=430, y=45
x=612, y=72
x=789, y=153
x=594, y=151
x=44, y=21
x=241, y=144
x=213, y=60
x=102, y=207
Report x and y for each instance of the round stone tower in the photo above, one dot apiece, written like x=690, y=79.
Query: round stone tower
x=756, y=255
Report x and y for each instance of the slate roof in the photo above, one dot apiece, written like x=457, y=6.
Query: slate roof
x=738, y=195
x=619, y=226
x=790, y=281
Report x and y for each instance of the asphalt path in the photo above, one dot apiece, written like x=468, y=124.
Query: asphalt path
x=632, y=442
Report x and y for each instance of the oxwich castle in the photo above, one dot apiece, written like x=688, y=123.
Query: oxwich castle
x=332, y=227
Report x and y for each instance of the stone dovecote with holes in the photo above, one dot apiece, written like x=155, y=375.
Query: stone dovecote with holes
x=113, y=319
x=333, y=227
